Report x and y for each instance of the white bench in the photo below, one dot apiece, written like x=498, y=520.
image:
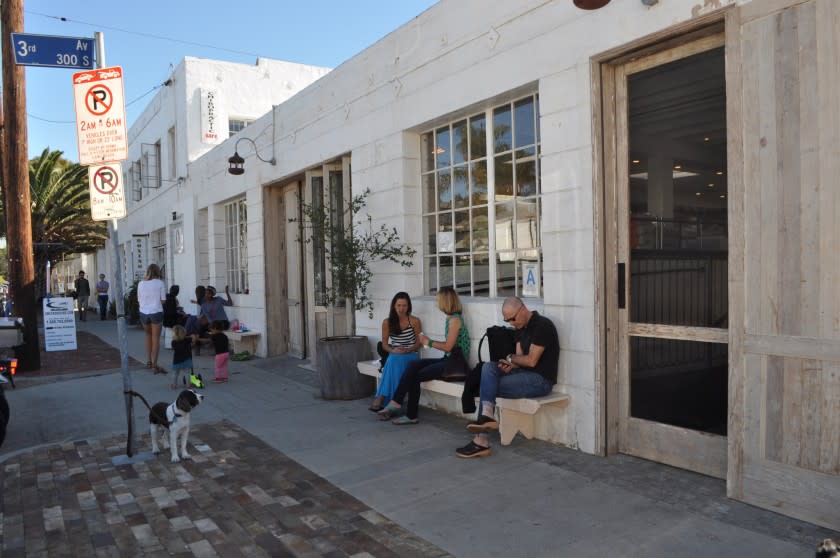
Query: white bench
x=243, y=341
x=515, y=415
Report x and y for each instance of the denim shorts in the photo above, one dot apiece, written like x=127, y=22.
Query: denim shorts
x=156, y=318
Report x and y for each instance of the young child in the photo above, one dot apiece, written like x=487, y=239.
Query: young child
x=222, y=347
x=182, y=355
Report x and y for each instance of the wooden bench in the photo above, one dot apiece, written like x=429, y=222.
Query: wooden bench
x=243, y=341
x=515, y=415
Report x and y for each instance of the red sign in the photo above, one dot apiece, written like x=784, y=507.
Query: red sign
x=101, y=127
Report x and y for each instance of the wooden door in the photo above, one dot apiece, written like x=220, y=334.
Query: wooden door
x=294, y=272
x=671, y=251
x=784, y=78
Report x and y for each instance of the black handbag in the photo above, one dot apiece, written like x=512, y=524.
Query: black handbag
x=456, y=369
x=501, y=341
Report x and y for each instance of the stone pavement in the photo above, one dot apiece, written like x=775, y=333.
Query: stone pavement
x=529, y=499
x=237, y=497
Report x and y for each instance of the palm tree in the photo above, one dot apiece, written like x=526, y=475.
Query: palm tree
x=61, y=221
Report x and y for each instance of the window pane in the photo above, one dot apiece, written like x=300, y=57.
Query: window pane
x=537, y=115
x=505, y=273
x=462, y=231
x=459, y=142
x=502, y=129
x=445, y=238
x=527, y=235
x=462, y=275
x=504, y=177
x=480, y=240
x=444, y=190
x=427, y=152
x=481, y=275
x=442, y=147
x=478, y=182
x=460, y=186
x=446, y=279
x=504, y=226
x=478, y=137
x=428, y=192
x=526, y=172
x=431, y=234
x=430, y=273
x=524, y=122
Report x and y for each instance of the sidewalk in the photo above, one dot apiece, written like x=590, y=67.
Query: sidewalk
x=529, y=499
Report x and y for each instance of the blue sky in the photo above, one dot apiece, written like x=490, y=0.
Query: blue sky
x=318, y=32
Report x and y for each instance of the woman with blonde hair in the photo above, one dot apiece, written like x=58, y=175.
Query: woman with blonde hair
x=151, y=295
x=456, y=347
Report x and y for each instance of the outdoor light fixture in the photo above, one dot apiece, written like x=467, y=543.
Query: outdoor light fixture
x=591, y=4
x=237, y=163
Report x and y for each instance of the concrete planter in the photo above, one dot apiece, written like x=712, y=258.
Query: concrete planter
x=337, y=358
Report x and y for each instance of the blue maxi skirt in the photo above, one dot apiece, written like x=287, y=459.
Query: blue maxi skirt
x=393, y=372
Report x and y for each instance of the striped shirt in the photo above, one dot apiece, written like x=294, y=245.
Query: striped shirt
x=405, y=338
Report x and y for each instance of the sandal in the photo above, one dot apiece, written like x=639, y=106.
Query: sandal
x=399, y=421
x=158, y=370
x=375, y=408
x=148, y=364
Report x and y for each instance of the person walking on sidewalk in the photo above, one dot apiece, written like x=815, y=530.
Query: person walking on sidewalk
x=151, y=294
x=102, y=287
x=531, y=372
x=221, y=345
x=82, y=287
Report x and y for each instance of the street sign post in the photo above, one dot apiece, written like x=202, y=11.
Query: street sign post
x=101, y=127
x=52, y=51
x=107, y=198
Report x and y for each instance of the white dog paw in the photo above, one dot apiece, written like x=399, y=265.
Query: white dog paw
x=175, y=459
x=186, y=456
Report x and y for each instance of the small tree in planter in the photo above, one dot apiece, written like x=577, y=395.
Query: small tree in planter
x=350, y=243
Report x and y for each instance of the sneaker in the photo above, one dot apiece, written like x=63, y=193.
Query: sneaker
x=473, y=450
x=483, y=424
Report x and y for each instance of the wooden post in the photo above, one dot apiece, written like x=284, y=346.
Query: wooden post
x=16, y=185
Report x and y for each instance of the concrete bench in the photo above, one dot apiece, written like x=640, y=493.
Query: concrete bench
x=243, y=341
x=515, y=415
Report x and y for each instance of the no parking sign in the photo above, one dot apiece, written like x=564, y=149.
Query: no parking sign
x=100, y=115
x=107, y=198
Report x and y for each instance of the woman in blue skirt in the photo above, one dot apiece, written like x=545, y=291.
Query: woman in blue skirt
x=400, y=339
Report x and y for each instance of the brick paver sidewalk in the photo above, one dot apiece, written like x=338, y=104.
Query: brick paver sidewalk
x=236, y=497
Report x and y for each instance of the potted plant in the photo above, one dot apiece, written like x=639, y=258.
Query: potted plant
x=351, y=244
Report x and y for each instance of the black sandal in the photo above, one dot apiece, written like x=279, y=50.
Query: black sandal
x=473, y=450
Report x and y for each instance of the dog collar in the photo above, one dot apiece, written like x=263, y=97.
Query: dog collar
x=175, y=415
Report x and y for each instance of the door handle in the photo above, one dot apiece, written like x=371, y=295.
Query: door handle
x=622, y=299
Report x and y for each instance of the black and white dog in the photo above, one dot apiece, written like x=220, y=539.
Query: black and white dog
x=828, y=549
x=176, y=417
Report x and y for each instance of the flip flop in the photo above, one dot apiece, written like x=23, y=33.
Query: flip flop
x=403, y=420
x=148, y=364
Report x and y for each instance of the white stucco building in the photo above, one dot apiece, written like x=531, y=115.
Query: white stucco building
x=626, y=157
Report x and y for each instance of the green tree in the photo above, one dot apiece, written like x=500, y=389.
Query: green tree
x=61, y=221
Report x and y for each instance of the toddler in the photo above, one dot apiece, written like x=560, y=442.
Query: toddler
x=222, y=347
x=182, y=355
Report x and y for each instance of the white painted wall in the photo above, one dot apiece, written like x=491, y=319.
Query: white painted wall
x=455, y=58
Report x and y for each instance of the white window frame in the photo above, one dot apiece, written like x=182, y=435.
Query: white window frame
x=157, y=239
x=436, y=171
x=236, y=245
x=236, y=125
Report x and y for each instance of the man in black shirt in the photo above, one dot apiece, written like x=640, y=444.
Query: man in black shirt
x=82, y=295
x=531, y=372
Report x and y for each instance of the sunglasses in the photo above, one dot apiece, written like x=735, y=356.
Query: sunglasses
x=512, y=318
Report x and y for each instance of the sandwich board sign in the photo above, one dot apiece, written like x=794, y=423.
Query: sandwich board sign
x=59, y=324
x=107, y=195
x=101, y=127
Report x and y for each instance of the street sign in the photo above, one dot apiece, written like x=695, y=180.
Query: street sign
x=100, y=115
x=107, y=197
x=52, y=51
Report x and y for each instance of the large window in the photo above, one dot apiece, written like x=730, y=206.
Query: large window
x=236, y=245
x=158, y=240
x=481, y=200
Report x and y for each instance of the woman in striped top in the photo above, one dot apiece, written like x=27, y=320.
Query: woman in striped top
x=400, y=332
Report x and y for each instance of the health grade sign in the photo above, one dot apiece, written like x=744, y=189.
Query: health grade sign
x=100, y=115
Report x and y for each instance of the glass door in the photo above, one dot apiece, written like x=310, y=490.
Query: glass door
x=673, y=256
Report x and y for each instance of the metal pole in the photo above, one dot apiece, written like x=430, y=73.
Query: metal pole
x=113, y=233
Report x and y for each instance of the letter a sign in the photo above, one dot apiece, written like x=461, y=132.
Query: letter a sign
x=100, y=116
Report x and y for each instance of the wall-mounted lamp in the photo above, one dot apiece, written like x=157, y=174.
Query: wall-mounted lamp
x=591, y=4
x=237, y=163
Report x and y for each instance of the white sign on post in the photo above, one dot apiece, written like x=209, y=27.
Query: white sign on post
x=59, y=324
x=101, y=127
x=107, y=197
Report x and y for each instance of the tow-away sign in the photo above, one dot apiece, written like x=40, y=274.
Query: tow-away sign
x=100, y=115
x=107, y=198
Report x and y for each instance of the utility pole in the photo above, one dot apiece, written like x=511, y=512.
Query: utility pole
x=16, y=185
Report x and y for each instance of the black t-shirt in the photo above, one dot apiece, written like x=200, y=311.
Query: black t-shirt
x=541, y=331
x=82, y=287
x=220, y=342
x=183, y=350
